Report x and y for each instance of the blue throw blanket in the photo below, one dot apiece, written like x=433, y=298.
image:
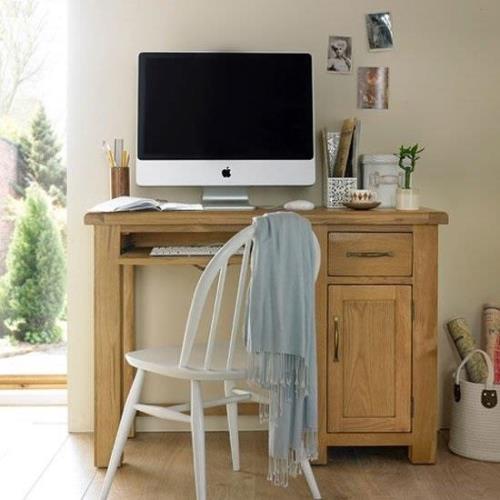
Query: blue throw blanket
x=281, y=338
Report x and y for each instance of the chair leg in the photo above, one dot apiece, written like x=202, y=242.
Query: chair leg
x=232, y=424
x=198, y=437
x=122, y=434
x=311, y=480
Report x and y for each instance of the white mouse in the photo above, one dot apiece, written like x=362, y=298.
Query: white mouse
x=298, y=205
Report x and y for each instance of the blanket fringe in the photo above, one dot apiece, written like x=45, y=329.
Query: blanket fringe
x=284, y=376
x=280, y=469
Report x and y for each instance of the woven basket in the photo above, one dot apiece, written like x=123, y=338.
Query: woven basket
x=475, y=426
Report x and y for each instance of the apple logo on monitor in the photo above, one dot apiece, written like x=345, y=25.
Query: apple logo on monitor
x=226, y=172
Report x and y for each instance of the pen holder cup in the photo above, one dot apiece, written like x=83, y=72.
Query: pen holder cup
x=338, y=191
x=120, y=181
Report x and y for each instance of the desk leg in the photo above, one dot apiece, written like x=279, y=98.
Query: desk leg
x=108, y=359
x=128, y=331
x=322, y=348
x=425, y=244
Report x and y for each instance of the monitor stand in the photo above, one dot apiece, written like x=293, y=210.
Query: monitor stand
x=225, y=198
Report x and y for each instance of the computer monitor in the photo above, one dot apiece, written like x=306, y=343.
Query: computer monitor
x=225, y=120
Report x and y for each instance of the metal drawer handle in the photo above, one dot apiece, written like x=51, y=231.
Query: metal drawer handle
x=336, y=339
x=370, y=254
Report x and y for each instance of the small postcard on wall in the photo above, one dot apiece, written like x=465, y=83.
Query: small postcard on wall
x=380, y=31
x=339, y=54
x=373, y=88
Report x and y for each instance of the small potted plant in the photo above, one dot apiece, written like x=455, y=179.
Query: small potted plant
x=406, y=197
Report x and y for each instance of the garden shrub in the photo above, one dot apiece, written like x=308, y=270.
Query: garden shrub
x=36, y=274
x=41, y=161
x=3, y=307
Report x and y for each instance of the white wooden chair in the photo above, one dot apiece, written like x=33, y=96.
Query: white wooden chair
x=198, y=362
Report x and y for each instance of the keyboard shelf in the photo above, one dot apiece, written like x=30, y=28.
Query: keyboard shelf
x=141, y=257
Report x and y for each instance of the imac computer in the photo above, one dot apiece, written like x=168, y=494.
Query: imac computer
x=225, y=121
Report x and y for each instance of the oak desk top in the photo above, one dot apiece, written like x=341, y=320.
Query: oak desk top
x=389, y=216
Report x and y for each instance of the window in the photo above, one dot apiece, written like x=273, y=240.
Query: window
x=32, y=191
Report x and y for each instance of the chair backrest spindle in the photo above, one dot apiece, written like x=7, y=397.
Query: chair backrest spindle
x=240, y=296
x=215, y=317
x=214, y=268
x=217, y=267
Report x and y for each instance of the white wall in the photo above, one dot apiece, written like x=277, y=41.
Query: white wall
x=444, y=85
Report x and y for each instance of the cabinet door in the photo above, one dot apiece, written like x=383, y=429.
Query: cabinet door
x=369, y=358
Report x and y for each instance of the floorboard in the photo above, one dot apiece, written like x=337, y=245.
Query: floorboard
x=70, y=472
x=159, y=466
x=27, y=446
x=39, y=460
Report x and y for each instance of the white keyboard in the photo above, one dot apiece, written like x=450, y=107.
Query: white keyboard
x=187, y=250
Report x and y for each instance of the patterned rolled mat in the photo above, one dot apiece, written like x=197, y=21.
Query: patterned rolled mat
x=491, y=332
x=464, y=341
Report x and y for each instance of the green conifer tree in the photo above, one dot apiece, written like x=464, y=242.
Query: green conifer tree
x=40, y=153
x=35, y=280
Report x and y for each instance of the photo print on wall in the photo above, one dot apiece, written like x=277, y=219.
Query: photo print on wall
x=380, y=31
x=339, y=54
x=373, y=88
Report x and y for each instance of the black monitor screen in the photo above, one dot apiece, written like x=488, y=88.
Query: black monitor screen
x=225, y=106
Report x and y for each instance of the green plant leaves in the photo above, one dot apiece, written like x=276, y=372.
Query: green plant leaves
x=410, y=154
x=36, y=272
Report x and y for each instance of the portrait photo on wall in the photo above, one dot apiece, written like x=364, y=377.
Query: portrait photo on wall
x=340, y=54
x=373, y=88
x=380, y=31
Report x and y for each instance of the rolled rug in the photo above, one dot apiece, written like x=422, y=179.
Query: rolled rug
x=465, y=343
x=491, y=333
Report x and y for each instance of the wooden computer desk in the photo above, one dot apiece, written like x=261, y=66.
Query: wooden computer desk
x=376, y=318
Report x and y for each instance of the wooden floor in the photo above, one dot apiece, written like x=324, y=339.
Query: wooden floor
x=41, y=461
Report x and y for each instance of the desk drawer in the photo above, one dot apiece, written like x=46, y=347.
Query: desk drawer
x=370, y=254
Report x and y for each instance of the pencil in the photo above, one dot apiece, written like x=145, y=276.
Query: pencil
x=109, y=154
x=124, y=159
x=111, y=161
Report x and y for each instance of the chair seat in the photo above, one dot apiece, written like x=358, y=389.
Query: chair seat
x=165, y=361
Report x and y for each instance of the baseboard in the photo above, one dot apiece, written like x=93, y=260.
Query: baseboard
x=212, y=424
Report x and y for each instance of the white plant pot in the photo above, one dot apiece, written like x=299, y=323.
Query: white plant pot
x=407, y=199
